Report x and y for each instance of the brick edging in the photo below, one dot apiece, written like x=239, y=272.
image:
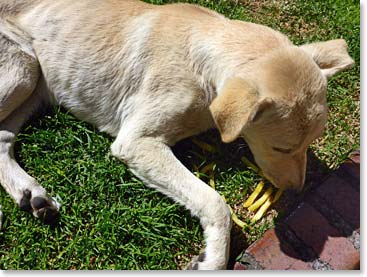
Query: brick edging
x=322, y=233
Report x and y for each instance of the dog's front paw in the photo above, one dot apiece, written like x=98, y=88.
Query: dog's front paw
x=201, y=262
x=195, y=262
x=42, y=206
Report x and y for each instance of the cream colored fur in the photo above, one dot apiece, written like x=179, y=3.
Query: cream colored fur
x=153, y=75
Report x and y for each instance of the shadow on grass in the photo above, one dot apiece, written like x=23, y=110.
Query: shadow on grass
x=229, y=157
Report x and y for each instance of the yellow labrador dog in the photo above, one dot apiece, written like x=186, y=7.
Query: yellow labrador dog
x=152, y=75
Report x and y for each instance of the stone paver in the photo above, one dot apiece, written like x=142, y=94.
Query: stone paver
x=318, y=224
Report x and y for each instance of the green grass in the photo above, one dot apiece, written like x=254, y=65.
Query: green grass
x=110, y=220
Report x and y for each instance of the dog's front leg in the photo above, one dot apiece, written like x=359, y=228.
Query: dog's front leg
x=154, y=163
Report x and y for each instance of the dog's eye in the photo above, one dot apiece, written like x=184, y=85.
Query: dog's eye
x=282, y=150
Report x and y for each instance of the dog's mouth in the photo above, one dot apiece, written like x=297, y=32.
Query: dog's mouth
x=282, y=185
x=272, y=180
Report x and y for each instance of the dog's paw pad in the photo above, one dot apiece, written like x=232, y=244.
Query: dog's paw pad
x=43, y=207
x=39, y=202
x=49, y=215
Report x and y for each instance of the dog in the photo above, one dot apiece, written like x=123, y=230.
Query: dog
x=150, y=76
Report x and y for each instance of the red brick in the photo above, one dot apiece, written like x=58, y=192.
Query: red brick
x=239, y=266
x=355, y=157
x=342, y=198
x=315, y=231
x=340, y=253
x=273, y=253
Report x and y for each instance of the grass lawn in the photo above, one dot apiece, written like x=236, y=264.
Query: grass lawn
x=110, y=220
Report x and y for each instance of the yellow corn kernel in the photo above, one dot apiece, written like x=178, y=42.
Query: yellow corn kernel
x=266, y=205
x=252, y=166
x=261, y=200
x=253, y=196
x=235, y=219
x=259, y=214
x=207, y=168
x=203, y=145
x=277, y=196
x=212, y=183
x=249, y=164
x=196, y=171
x=201, y=157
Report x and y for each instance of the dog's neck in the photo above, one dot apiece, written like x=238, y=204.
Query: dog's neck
x=229, y=53
x=210, y=65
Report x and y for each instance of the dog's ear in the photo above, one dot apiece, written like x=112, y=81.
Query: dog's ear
x=236, y=106
x=331, y=56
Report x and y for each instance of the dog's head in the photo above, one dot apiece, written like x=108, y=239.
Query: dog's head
x=280, y=107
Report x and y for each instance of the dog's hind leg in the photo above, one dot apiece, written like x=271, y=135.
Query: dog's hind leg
x=154, y=163
x=19, y=68
x=19, y=75
x=24, y=189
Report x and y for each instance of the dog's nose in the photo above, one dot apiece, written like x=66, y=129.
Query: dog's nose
x=297, y=184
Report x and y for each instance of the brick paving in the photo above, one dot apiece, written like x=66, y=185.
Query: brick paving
x=322, y=233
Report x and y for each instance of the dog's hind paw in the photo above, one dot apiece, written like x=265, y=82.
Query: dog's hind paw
x=42, y=206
